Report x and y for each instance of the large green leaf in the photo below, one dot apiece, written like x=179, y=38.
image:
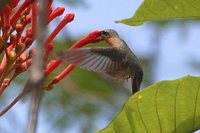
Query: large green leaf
x=167, y=107
x=164, y=9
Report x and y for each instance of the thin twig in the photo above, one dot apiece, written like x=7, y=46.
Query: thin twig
x=36, y=71
x=16, y=99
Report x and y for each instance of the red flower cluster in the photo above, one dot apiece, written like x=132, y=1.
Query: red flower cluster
x=17, y=33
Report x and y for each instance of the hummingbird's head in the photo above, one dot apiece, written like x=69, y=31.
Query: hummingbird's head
x=111, y=37
x=105, y=34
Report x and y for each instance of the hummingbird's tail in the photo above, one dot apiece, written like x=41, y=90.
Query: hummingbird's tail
x=136, y=82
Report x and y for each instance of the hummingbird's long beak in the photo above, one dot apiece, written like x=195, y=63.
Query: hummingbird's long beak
x=100, y=37
x=104, y=35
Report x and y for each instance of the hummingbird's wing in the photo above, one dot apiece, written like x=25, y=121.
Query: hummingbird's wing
x=104, y=59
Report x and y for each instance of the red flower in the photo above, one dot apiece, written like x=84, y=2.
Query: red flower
x=17, y=35
x=90, y=38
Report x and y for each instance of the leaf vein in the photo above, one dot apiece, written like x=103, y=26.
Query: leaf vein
x=191, y=4
x=129, y=121
x=156, y=103
x=141, y=116
x=172, y=7
x=176, y=93
x=195, y=108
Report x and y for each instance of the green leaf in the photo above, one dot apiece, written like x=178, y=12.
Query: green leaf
x=164, y=9
x=167, y=107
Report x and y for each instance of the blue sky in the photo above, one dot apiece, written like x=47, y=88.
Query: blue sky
x=177, y=49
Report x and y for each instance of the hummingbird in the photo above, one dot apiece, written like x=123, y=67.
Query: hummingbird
x=117, y=61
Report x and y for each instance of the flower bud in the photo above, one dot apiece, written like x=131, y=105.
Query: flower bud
x=28, y=19
x=29, y=32
x=11, y=56
x=28, y=41
x=57, y=12
x=19, y=60
x=19, y=27
x=20, y=48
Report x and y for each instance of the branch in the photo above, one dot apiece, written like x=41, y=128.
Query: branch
x=36, y=71
x=16, y=99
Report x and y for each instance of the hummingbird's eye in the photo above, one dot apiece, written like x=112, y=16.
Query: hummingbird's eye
x=105, y=33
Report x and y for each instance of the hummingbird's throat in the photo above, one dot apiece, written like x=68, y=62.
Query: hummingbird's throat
x=114, y=41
